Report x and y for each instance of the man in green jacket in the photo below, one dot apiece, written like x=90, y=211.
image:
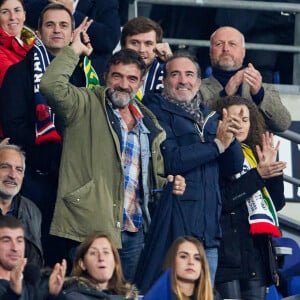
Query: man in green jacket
x=111, y=161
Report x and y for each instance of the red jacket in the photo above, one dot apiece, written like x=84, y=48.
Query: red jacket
x=11, y=52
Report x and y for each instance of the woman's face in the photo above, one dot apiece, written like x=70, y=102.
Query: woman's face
x=99, y=262
x=188, y=262
x=243, y=111
x=12, y=17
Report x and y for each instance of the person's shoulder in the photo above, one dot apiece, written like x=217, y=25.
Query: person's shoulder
x=152, y=98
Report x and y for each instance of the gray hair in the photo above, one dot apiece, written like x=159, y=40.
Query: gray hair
x=15, y=148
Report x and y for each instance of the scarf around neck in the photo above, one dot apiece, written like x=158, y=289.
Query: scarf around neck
x=45, y=130
x=262, y=213
x=192, y=107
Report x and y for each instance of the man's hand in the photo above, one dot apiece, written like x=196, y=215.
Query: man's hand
x=67, y=3
x=267, y=154
x=179, y=184
x=228, y=127
x=57, y=277
x=253, y=78
x=163, y=51
x=234, y=82
x=16, y=276
x=81, y=41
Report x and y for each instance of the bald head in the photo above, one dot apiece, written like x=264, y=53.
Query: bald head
x=227, y=48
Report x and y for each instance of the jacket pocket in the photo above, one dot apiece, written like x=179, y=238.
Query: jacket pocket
x=81, y=205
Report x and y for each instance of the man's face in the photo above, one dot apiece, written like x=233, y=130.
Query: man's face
x=123, y=81
x=11, y=173
x=182, y=82
x=56, y=31
x=144, y=44
x=227, y=50
x=12, y=247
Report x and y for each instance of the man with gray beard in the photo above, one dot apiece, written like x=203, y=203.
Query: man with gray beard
x=230, y=77
x=111, y=163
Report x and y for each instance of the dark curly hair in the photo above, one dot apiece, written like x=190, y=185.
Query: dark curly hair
x=257, y=123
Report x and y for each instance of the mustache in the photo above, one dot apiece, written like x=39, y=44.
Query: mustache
x=122, y=90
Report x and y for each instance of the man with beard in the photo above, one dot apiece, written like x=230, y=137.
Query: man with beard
x=198, y=146
x=111, y=162
x=145, y=36
x=12, y=168
x=231, y=77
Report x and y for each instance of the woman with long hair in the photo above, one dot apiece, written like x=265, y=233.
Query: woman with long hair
x=250, y=200
x=190, y=278
x=97, y=272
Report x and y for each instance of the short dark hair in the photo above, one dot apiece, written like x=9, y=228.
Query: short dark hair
x=126, y=57
x=183, y=54
x=21, y=1
x=10, y=222
x=54, y=6
x=140, y=25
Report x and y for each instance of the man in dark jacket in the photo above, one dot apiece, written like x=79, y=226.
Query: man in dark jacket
x=20, y=117
x=198, y=147
x=104, y=32
x=18, y=279
x=12, y=167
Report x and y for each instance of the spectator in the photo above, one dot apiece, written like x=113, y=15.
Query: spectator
x=104, y=32
x=19, y=280
x=23, y=111
x=97, y=272
x=230, y=77
x=109, y=184
x=145, y=36
x=15, y=40
x=189, y=271
x=12, y=167
x=197, y=147
x=266, y=27
x=246, y=264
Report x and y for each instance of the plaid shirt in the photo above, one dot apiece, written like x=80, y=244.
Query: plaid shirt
x=131, y=162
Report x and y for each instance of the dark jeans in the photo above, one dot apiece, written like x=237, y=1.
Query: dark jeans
x=132, y=245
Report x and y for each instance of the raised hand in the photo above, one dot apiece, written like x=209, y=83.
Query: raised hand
x=81, y=41
x=16, y=276
x=228, y=127
x=234, y=82
x=253, y=78
x=57, y=277
x=267, y=154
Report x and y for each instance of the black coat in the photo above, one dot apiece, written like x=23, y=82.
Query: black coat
x=242, y=255
x=29, y=214
x=17, y=114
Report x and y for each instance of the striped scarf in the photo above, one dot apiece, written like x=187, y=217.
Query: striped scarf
x=45, y=130
x=262, y=214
